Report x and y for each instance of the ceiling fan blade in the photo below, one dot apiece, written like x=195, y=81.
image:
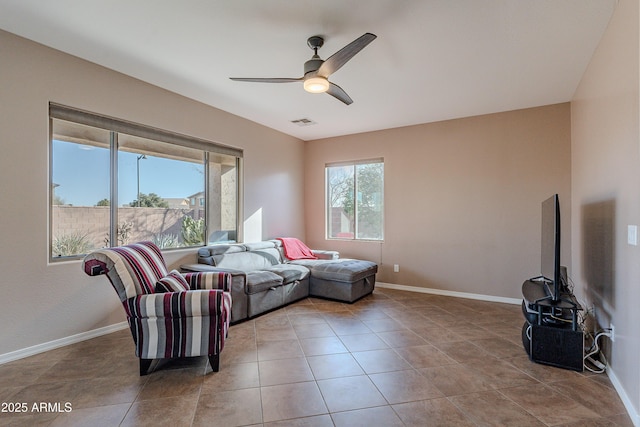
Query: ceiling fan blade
x=338, y=59
x=267, y=80
x=339, y=93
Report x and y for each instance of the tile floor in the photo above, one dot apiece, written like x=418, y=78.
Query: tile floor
x=394, y=358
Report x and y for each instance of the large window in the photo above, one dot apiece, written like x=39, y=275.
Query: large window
x=355, y=200
x=114, y=182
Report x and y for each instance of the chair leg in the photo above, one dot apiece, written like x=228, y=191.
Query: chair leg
x=144, y=366
x=214, y=361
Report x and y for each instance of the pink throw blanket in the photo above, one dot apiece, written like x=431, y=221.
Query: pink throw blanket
x=295, y=249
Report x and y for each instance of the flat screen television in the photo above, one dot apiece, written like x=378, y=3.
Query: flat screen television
x=550, y=250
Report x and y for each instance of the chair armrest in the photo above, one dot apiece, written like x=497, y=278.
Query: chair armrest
x=326, y=254
x=194, y=303
x=209, y=280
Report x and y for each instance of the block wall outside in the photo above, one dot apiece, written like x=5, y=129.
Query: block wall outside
x=92, y=222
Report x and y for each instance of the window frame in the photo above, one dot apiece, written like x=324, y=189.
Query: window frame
x=328, y=215
x=115, y=127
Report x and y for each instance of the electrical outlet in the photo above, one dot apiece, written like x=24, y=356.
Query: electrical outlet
x=613, y=333
x=396, y=268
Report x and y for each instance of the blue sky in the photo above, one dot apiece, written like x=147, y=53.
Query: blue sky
x=81, y=173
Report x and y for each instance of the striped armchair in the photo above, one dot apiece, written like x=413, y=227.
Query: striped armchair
x=170, y=315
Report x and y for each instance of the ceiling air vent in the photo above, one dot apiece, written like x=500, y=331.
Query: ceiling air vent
x=303, y=122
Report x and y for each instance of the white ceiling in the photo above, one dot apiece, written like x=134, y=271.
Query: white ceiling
x=433, y=59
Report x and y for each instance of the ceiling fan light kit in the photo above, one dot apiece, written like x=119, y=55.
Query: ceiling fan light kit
x=316, y=85
x=317, y=71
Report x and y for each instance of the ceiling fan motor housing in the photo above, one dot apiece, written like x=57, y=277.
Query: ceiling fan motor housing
x=315, y=43
x=312, y=65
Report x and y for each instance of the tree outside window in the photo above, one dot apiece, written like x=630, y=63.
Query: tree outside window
x=355, y=200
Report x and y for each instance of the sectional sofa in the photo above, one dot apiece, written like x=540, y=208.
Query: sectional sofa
x=265, y=279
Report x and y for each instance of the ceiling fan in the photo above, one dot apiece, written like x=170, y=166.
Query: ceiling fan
x=317, y=71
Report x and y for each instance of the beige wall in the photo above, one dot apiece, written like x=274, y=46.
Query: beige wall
x=42, y=302
x=606, y=193
x=462, y=198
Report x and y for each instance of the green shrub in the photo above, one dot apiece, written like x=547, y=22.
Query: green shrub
x=192, y=231
x=70, y=245
x=164, y=241
x=123, y=234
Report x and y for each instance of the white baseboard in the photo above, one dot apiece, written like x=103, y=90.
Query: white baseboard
x=51, y=345
x=628, y=404
x=456, y=294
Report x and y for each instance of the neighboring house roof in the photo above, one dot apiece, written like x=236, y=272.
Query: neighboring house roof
x=177, y=202
x=199, y=194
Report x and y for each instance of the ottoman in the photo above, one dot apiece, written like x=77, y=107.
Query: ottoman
x=344, y=280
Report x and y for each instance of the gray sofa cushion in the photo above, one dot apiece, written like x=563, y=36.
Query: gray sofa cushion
x=260, y=281
x=206, y=255
x=267, y=249
x=256, y=246
x=246, y=261
x=245, y=257
x=309, y=263
x=347, y=270
x=290, y=272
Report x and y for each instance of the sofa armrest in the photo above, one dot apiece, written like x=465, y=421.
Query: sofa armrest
x=194, y=268
x=194, y=303
x=209, y=280
x=326, y=254
x=238, y=286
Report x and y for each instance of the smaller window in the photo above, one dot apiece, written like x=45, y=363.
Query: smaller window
x=355, y=200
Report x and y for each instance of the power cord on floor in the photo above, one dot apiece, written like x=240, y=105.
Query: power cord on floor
x=594, y=360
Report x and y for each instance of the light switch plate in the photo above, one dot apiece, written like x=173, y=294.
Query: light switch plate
x=632, y=235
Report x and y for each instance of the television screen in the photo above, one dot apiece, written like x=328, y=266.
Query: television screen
x=550, y=251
